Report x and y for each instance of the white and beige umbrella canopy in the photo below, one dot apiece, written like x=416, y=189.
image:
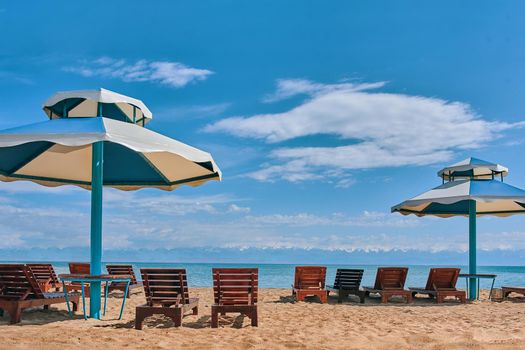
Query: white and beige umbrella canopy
x=472, y=188
x=96, y=138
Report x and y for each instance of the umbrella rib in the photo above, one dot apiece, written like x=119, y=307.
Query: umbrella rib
x=166, y=180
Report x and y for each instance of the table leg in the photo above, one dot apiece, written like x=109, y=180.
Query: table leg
x=106, y=297
x=467, y=284
x=477, y=296
x=67, y=301
x=124, y=300
x=83, y=299
x=491, y=288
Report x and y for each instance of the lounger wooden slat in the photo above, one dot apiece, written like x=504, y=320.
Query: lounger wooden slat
x=347, y=282
x=170, y=298
x=390, y=281
x=15, y=297
x=235, y=290
x=46, y=276
x=310, y=281
x=441, y=283
x=126, y=270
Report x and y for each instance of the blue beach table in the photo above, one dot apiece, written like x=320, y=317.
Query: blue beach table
x=478, y=277
x=82, y=279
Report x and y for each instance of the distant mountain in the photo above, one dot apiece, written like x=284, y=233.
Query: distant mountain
x=284, y=256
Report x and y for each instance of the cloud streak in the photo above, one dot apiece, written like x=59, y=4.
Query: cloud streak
x=174, y=74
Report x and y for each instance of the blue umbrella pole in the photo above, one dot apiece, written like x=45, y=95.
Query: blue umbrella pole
x=472, y=248
x=96, y=226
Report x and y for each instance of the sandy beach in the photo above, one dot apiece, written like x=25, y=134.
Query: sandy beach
x=282, y=325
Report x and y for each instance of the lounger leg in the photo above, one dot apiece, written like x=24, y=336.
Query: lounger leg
x=214, y=317
x=324, y=298
x=195, y=310
x=362, y=297
x=254, y=317
x=140, y=315
x=46, y=307
x=409, y=298
x=340, y=298
x=15, y=313
x=75, y=306
x=177, y=317
x=384, y=298
x=1, y=312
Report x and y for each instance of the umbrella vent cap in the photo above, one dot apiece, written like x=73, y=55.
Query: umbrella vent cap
x=473, y=168
x=96, y=103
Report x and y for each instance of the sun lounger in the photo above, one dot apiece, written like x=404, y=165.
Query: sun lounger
x=123, y=270
x=166, y=294
x=310, y=281
x=19, y=290
x=507, y=290
x=235, y=290
x=390, y=281
x=78, y=268
x=46, y=277
x=347, y=282
x=441, y=283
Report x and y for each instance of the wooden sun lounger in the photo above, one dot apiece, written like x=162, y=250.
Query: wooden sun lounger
x=310, y=281
x=19, y=290
x=347, y=282
x=235, y=290
x=166, y=294
x=78, y=268
x=123, y=270
x=507, y=290
x=46, y=277
x=441, y=283
x=390, y=281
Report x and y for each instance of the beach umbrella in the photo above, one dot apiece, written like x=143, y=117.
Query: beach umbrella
x=470, y=188
x=96, y=138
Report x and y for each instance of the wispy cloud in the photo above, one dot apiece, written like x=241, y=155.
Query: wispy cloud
x=169, y=73
x=193, y=112
x=287, y=88
x=382, y=130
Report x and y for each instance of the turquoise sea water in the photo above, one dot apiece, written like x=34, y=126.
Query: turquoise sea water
x=281, y=275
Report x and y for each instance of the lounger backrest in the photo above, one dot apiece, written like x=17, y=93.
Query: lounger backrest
x=165, y=286
x=348, y=278
x=44, y=272
x=18, y=282
x=79, y=268
x=310, y=277
x=391, y=278
x=235, y=286
x=442, y=277
x=122, y=270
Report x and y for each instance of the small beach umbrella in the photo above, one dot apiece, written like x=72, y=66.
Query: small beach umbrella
x=470, y=188
x=96, y=138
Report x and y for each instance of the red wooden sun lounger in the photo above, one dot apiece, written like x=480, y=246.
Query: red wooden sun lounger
x=441, y=283
x=310, y=281
x=46, y=277
x=390, y=281
x=235, y=290
x=166, y=294
x=19, y=290
x=123, y=270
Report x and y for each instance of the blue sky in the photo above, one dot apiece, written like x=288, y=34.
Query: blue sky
x=321, y=116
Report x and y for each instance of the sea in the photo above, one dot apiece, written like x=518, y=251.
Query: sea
x=281, y=275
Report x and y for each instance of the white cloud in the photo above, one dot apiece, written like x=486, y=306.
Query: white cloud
x=287, y=88
x=174, y=74
x=234, y=208
x=379, y=129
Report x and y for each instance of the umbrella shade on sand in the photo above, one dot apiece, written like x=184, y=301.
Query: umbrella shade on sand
x=95, y=147
x=470, y=188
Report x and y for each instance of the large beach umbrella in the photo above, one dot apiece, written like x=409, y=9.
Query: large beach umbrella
x=96, y=138
x=470, y=188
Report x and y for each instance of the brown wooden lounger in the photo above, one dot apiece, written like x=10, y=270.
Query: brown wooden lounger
x=19, y=290
x=441, y=283
x=46, y=277
x=507, y=290
x=78, y=268
x=123, y=270
x=235, y=290
x=347, y=282
x=310, y=281
x=166, y=294
x=390, y=281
